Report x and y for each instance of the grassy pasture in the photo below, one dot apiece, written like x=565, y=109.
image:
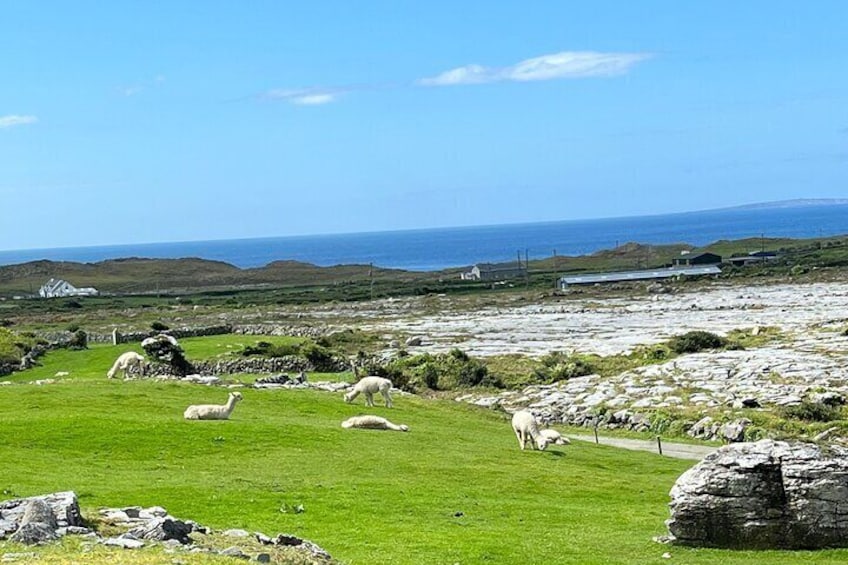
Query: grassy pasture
x=455, y=489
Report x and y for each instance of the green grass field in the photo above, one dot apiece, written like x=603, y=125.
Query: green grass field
x=455, y=489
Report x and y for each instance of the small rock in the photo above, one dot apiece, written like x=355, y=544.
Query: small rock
x=234, y=552
x=125, y=543
x=235, y=533
x=263, y=558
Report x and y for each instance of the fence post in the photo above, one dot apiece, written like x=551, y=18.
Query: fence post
x=659, y=445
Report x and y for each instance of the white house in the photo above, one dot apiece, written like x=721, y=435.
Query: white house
x=55, y=288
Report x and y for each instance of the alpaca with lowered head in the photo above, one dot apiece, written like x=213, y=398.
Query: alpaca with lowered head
x=554, y=437
x=368, y=386
x=125, y=362
x=213, y=411
x=525, y=428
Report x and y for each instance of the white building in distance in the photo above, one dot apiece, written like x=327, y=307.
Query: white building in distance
x=55, y=288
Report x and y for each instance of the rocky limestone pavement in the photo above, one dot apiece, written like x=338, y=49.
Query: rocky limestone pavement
x=618, y=324
x=41, y=519
x=763, y=495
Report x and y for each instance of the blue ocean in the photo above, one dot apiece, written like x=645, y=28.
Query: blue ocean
x=436, y=249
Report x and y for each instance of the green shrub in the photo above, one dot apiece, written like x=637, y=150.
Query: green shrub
x=267, y=349
x=692, y=342
x=320, y=357
x=79, y=340
x=811, y=412
x=72, y=328
x=446, y=371
x=559, y=366
x=159, y=326
x=13, y=345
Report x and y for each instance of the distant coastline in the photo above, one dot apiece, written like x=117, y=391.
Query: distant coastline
x=438, y=249
x=795, y=203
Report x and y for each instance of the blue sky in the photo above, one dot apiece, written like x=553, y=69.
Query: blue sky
x=129, y=122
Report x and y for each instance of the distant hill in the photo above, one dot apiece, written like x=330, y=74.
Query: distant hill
x=136, y=275
x=796, y=203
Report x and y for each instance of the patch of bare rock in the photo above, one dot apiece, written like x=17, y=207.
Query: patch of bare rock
x=42, y=519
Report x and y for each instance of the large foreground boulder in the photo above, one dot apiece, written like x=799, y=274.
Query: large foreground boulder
x=39, y=519
x=763, y=495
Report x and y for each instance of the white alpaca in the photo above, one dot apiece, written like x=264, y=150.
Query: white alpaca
x=125, y=362
x=524, y=425
x=373, y=423
x=553, y=436
x=212, y=411
x=368, y=386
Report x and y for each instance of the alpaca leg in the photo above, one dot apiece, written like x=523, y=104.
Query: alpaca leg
x=369, y=399
x=520, y=439
x=388, y=398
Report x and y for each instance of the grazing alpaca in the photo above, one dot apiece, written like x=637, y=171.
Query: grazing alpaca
x=373, y=423
x=368, y=386
x=525, y=428
x=212, y=411
x=553, y=436
x=125, y=362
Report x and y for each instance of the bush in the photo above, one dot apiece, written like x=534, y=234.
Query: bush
x=320, y=357
x=559, y=366
x=158, y=326
x=811, y=412
x=73, y=327
x=692, y=342
x=4, y=323
x=446, y=371
x=79, y=340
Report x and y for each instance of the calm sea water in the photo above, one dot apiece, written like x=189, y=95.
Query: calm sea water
x=434, y=249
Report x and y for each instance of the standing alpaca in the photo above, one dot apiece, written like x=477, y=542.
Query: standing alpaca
x=212, y=411
x=368, y=386
x=373, y=423
x=125, y=362
x=525, y=428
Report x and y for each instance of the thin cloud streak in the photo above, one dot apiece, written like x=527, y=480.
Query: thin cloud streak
x=305, y=96
x=15, y=120
x=563, y=65
x=566, y=64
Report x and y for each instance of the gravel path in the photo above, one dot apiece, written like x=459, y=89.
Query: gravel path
x=677, y=450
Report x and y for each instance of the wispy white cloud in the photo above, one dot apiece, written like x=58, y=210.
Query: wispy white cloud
x=14, y=120
x=305, y=96
x=566, y=64
x=133, y=89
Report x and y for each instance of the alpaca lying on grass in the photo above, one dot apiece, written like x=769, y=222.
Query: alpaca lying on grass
x=373, y=423
x=554, y=437
x=125, y=362
x=368, y=386
x=213, y=411
x=525, y=428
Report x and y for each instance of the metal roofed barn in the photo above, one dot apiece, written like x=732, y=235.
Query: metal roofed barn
x=647, y=274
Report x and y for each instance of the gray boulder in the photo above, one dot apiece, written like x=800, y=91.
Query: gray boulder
x=763, y=495
x=38, y=511
x=162, y=529
x=33, y=533
x=39, y=518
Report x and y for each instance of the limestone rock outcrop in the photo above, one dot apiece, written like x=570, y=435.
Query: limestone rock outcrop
x=763, y=495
